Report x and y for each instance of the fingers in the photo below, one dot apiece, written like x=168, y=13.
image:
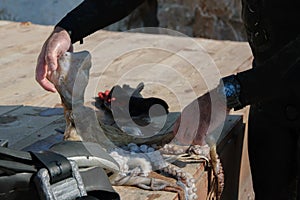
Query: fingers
x=54, y=48
x=56, y=45
x=51, y=57
x=47, y=85
x=41, y=74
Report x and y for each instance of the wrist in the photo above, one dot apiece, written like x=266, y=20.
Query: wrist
x=230, y=87
x=63, y=32
x=59, y=29
x=60, y=35
x=67, y=30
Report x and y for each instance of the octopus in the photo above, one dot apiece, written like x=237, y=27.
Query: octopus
x=145, y=162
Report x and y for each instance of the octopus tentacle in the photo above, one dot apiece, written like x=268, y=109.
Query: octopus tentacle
x=185, y=180
x=217, y=170
x=71, y=79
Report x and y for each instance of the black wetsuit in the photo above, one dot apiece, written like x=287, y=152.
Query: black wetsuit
x=93, y=15
x=271, y=86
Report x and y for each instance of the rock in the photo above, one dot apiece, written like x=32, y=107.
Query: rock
x=215, y=19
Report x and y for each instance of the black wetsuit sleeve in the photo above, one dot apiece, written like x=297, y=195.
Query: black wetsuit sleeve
x=93, y=15
x=277, y=74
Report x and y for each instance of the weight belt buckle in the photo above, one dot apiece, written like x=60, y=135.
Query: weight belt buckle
x=69, y=188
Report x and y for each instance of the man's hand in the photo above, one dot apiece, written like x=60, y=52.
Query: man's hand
x=56, y=45
x=200, y=118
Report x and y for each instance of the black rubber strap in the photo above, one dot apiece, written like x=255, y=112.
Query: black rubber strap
x=6, y=153
x=17, y=169
x=58, y=166
x=12, y=167
x=99, y=187
x=85, y=150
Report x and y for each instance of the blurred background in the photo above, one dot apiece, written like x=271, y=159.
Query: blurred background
x=215, y=19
